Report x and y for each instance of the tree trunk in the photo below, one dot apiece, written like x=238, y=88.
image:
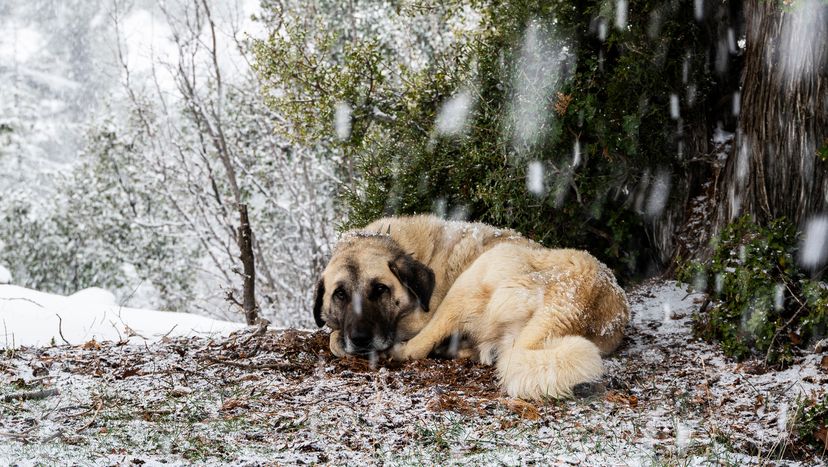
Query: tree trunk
x=774, y=169
x=245, y=238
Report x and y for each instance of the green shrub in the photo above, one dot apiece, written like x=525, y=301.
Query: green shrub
x=762, y=304
x=810, y=423
x=401, y=166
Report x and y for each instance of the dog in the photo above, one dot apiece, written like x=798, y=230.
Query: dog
x=404, y=286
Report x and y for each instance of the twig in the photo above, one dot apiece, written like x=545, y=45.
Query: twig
x=261, y=329
x=20, y=436
x=60, y=329
x=24, y=299
x=98, y=407
x=170, y=331
x=784, y=326
x=251, y=366
x=32, y=395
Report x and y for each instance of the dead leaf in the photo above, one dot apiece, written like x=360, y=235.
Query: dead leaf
x=822, y=435
x=231, y=404
x=442, y=402
x=506, y=424
x=522, y=408
x=618, y=398
x=824, y=363
x=795, y=338
x=91, y=345
x=759, y=402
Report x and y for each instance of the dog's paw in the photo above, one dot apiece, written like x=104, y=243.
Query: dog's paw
x=336, y=345
x=399, y=352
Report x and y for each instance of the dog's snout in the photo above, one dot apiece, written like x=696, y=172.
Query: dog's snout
x=361, y=337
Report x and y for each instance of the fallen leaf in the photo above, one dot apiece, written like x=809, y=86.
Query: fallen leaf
x=506, y=424
x=442, y=402
x=231, y=404
x=663, y=434
x=91, y=345
x=759, y=402
x=824, y=363
x=618, y=398
x=795, y=338
x=522, y=408
x=822, y=435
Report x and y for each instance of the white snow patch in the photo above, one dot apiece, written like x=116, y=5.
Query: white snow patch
x=721, y=136
x=5, y=275
x=31, y=318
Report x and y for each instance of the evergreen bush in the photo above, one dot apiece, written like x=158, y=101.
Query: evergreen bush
x=762, y=304
x=598, y=148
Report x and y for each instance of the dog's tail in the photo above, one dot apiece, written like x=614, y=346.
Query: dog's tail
x=552, y=370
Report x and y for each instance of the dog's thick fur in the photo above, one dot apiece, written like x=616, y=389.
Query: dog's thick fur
x=404, y=285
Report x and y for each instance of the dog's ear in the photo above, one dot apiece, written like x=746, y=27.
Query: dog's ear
x=317, y=303
x=415, y=276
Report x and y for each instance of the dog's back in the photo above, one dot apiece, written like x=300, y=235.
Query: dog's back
x=543, y=316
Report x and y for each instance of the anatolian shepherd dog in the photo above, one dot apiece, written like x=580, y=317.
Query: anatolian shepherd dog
x=403, y=286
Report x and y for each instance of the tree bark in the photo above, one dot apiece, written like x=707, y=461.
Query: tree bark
x=245, y=239
x=774, y=169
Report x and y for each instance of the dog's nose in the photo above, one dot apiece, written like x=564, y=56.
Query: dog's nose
x=361, y=338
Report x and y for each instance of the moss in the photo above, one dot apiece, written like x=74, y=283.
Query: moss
x=762, y=304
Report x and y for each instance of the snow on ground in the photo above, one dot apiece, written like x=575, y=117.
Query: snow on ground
x=5, y=275
x=30, y=318
x=281, y=398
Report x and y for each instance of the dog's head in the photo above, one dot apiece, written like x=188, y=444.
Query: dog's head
x=373, y=292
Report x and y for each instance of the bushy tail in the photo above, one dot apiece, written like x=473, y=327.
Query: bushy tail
x=551, y=371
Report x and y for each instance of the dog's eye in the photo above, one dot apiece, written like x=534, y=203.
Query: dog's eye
x=340, y=294
x=380, y=289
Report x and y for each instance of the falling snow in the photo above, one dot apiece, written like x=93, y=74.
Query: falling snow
x=342, y=120
x=814, y=249
x=454, y=113
x=534, y=178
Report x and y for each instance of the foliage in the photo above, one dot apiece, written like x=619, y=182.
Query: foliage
x=99, y=229
x=153, y=200
x=762, y=303
x=822, y=152
x=810, y=423
x=402, y=164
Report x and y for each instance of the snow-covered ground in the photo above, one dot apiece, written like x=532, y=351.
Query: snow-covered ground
x=31, y=318
x=281, y=398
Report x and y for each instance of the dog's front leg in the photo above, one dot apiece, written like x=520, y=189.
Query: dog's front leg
x=442, y=325
x=336, y=344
